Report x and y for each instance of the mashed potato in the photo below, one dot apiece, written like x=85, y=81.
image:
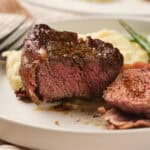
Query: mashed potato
x=132, y=52
x=12, y=69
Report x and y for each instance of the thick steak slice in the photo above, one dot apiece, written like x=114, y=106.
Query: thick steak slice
x=58, y=65
x=130, y=92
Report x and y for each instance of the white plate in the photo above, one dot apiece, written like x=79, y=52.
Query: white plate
x=22, y=124
x=117, y=7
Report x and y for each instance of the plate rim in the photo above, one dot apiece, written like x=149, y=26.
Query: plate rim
x=105, y=17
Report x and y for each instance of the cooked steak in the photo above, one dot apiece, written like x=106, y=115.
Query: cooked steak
x=56, y=65
x=118, y=120
x=130, y=92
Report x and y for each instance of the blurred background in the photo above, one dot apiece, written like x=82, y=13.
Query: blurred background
x=56, y=10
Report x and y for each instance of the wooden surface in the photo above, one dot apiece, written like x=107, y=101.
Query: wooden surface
x=41, y=15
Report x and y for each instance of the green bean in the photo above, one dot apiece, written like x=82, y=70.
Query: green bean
x=140, y=39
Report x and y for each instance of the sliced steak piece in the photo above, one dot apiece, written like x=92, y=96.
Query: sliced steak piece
x=56, y=65
x=118, y=120
x=130, y=92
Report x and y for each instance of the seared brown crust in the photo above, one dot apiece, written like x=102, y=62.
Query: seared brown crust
x=136, y=65
x=130, y=92
x=43, y=44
